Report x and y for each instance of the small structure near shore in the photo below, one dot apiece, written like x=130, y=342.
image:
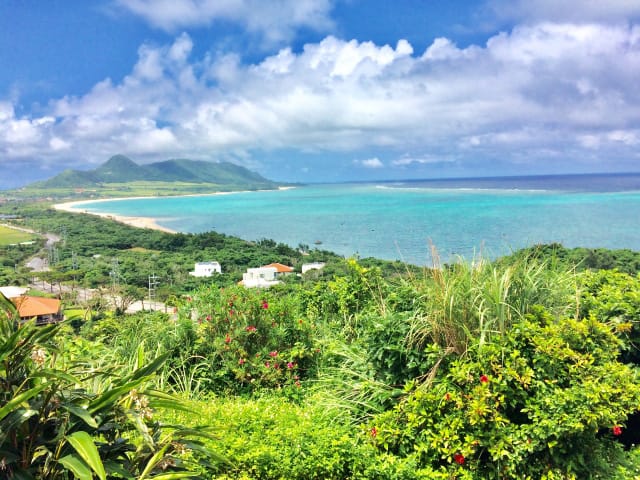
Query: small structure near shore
x=266, y=276
x=206, y=269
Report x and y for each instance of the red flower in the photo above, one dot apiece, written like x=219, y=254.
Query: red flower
x=227, y=338
x=374, y=432
x=616, y=430
x=251, y=328
x=265, y=305
x=484, y=379
x=267, y=364
x=447, y=396
x=459, y=458
x=297, y=384
x=273, y=354
x=289, y=365
x=241, y=361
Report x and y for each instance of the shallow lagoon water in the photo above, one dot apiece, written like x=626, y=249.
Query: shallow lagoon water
x=400, y=220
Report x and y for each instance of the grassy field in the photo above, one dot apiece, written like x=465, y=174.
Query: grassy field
x=130, y=189
x=9, y=236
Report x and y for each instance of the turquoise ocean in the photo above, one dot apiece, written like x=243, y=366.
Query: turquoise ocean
x=401, y=220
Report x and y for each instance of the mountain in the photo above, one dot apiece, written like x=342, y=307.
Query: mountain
x=121, y=169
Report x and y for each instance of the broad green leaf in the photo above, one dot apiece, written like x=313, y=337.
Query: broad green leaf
x=110, y=396
x=114, y=468
x=83, y=444
x=81, y=413
x=153, y=461
x=56, y=374
x=76, y=466
x=17, y=417
x=23, y=397
x=174, y=475
x=149, y=368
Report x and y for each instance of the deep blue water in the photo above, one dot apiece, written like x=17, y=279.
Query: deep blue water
x=399, y=220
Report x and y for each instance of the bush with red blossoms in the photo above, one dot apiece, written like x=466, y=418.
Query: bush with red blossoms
x=250, y=337
x=533, y=403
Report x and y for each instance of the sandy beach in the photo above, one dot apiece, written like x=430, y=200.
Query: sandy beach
x=139, y=222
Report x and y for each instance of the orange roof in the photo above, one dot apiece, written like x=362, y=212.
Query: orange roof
x=280, y=268
x=34, y=306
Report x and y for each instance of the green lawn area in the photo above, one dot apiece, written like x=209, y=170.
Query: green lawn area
x=9, y=236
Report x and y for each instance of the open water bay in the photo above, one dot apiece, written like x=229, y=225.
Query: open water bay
x=399, y=220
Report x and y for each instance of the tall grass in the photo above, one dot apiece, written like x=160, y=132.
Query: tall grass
x=475, y=301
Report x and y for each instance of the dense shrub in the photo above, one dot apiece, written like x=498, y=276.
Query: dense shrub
x=545, y=400
x=251, y=339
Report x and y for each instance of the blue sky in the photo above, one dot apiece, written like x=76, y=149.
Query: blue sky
x=322, y=90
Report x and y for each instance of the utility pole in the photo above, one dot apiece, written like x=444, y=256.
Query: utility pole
x=153, y=285
x=52, y=255
x=74, y=265
x=115, y=274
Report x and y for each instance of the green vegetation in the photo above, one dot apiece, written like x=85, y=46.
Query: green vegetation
x=121, y=177
x=61, y=417
x=623, y=260
x=522, y=368
x=11, y=236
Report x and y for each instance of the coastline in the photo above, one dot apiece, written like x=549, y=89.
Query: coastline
x=138, y=222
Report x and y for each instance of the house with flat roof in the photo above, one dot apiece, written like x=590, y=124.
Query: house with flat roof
x=206, y=269
x=261, y=277
x=266, y=276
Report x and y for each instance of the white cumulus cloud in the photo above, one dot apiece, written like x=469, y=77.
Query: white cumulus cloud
x=556, y=92
x=374, y=162
x=566, y=10
x=275, y=20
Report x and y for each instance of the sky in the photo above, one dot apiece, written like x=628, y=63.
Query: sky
x=322, y=90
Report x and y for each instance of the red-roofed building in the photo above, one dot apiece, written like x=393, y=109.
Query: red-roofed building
x=280, y=268
x=44, y=310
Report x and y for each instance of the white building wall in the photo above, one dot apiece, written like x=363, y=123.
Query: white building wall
x=206, y=269
x=260, y=277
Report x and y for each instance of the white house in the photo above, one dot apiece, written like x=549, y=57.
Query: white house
x=206, y=269
x=312, y=266
x=262, y=277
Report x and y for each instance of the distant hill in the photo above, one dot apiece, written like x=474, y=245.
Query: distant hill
x=121, y=169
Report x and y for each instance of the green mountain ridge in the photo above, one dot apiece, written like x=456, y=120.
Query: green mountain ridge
x=121, y=169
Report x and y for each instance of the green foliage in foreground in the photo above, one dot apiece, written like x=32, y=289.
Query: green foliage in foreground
x=480, y=371
x=61, y=419
x=520, y=368
x=543, y=401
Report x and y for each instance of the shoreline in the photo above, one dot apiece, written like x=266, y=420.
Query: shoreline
x=138, y=222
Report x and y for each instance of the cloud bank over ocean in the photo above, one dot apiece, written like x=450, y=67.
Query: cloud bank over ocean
x=558, y=94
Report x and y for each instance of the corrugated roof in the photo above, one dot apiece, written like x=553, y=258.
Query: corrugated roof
x=35, y=306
